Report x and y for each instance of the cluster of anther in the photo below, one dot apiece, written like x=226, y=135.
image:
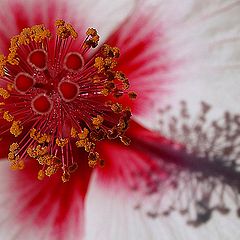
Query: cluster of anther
x=205, y=175
x=55, y=100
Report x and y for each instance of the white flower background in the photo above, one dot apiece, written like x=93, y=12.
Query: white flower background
x=204, y=35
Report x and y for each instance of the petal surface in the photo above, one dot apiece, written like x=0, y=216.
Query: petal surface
x=166, y=185
x=117, y=219
x=47, y=209
x=172, y=51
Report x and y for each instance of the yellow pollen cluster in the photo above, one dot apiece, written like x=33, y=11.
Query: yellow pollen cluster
x=92, y=38
x=73, y=132
x=97, y=121
x=3, y=62
x=13, y=157
x=61, y=142
x=116, y=107
x=104, y=64
x=7, y=116
x=109, y=51
x=10, y=87
x=83, y=134
x=37, y=151
x=121, y=77
x=4, y=93
x=16, y=128
x=65, y=30
x=125, y=140
x=39, y=137
x=93, y=159
x=50, y=163
x=132, y=95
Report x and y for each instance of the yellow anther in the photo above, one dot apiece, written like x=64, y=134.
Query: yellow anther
x=121, y=76
x=89, y=146
x=32, y=132
x=126, y=85
x=92, y=164
x=132, y=95
x=116, y=107
x=14, y=166
x=65, y=30
x=105, y=92
x=99, y=64
x=17, y=165
x=93, y=156
x=10, y=87
x=40, y=138
x=16, y=128
x=96, y=79
x=81, y=143
x=92, y=38
x=2, y=64
x=72, y=31
x=73, y=132
x=110, y=63
x=97, y=121
x=59, y=22
x=4, y=93
x=8, y=117
x=21, y=165
x=31, y=152
x=44, y=138
x=109, y=51
x=125, y=140
x=61, y=142
x=13, y=147
x=91, y=32
x=50, y=170
x=39, y=151
x=65, y=177
x=93, y=159
x=41, y=175
x=11, y=156
x=2, y=104
x=83, y=134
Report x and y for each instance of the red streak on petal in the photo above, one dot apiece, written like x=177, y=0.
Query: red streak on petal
x=122, y=161
x=51, y=199
x=143, y=59
x=38, y=15
x=21, y=16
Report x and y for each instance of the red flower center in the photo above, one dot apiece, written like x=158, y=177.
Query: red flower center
x=56, y=98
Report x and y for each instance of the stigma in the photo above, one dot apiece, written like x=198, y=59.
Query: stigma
x=57, y=99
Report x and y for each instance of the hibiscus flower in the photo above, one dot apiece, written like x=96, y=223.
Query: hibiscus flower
x=168, y=52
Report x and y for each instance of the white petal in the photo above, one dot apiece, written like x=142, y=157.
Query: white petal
x=200, y=41
x=205, y=41
x=111, y=215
